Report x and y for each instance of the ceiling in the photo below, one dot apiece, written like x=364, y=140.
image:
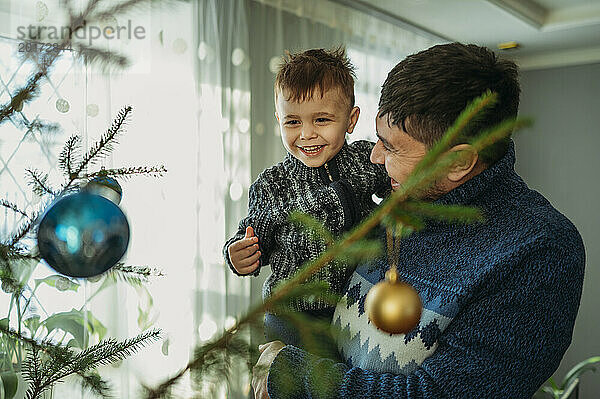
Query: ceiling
x=549, y=32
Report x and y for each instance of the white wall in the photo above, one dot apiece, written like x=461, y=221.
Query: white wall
x=559, y=157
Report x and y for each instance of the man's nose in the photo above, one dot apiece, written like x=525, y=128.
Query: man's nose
x=377, y=154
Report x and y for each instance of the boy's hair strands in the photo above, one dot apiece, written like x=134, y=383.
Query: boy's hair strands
x=300, y=74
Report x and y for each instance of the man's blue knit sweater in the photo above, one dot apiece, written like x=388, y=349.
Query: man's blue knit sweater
x=500, y=300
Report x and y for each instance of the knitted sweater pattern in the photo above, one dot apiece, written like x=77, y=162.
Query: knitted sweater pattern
x=500, y=300
x=322, y=193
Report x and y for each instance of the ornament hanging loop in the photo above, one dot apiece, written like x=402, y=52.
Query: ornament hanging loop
x=392, y=305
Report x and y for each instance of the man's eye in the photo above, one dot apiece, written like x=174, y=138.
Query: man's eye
x=384, y=146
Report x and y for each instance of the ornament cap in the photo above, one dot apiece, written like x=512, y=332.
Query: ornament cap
x=105, y=186
x=392, y=275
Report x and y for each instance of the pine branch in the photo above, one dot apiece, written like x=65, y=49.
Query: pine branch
x=92, y=381
x=361, y=251
x=24, y=229
x=399, y=217
x=133, y=275
x=13, y=207
x=44, y=346
x=473, y=110
x=125, y=173
x=140, y=271
x=46, y=59
x=498, y=132
x=70, y=154
x=63, y=364
x=10, y=253
x=37, y=125
x=22, y=96
x=10, y=284
x=103, y=58
x=32, y=372
x=209, y=359
x=39, y=181
x=110, y=351
x=129, y=5
x=104, y=146
x=448, y=213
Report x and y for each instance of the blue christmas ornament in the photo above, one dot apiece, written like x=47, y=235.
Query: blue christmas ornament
x=83, y=235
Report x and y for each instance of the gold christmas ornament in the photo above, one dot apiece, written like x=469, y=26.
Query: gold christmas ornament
x=393, y=305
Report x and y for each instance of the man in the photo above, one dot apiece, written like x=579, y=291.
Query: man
x=499, y=298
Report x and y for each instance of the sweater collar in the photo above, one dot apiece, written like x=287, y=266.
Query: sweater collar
x=335, y=166
x=488, y=181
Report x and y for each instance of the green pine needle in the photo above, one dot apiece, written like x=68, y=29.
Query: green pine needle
x=361, y=251
x=70, y=155
x=125, y=173
x=93, y=382
x=499, y=132
x=13, y=207
x=401, y=218
x=474, y=109
x=64, y=362
x=39, y=181
x=104, y=145
x=448, y=213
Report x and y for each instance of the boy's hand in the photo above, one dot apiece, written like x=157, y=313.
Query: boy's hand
x=244, y=253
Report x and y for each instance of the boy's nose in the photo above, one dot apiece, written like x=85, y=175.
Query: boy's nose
x=308, y=133
x=376, y=154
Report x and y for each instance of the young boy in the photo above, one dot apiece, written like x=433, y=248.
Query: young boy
x=321, y=175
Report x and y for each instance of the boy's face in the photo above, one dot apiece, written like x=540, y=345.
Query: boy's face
x=314, y=130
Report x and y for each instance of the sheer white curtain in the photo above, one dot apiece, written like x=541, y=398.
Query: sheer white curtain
x=159, y=85
x=239, y=44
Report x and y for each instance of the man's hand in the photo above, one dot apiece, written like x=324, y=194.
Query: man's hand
x=260, y=372
x=244, y=253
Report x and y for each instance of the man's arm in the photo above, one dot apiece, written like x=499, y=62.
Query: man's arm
x=504, y=343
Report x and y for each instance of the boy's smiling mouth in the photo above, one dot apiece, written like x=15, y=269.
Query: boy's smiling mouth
x=312, y=150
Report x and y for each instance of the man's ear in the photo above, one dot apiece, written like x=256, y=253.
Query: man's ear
x=354, y=113
x=464, y=165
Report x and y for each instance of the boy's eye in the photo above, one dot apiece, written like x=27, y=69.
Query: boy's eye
x=323, y=120
x=292, y=122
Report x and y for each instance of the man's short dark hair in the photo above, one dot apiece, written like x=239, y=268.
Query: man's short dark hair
x=425, y=93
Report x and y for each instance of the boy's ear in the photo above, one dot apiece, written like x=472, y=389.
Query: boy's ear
x=465, y=163
x=277, y=116
x=354, y=114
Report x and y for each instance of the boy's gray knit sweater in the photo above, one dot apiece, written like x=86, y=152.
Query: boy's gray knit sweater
x=290, y=185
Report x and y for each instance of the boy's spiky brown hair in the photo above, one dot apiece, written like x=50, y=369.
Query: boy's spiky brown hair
x=301, y=73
